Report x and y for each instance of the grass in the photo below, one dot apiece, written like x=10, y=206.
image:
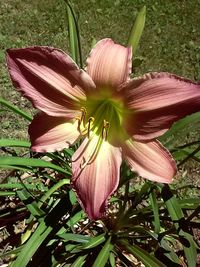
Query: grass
x=170, y=42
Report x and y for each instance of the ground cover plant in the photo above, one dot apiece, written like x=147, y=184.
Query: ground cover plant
x=146, y=223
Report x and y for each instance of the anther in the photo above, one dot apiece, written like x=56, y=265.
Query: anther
x=83, y=164
x=79, y=122
x=91, y=120
x=81, y=119
x=105, y=129
x=83, y=115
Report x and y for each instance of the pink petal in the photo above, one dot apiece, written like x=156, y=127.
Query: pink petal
x=150, y=160
x=98, y=179
x=109, y=64
x=49, y=79
x=157, y=100
x=50, y=134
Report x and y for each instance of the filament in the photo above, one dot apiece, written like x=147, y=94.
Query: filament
x=105, y=129
x=81, y=120
x=91, y=120
x=93, y=155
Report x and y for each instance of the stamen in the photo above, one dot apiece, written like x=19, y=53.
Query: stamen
x=83, y=115
x=83, y=164
x=79, y=122
x=91, y=120
x=105, y=129
x=81, y=119
x=92, y=157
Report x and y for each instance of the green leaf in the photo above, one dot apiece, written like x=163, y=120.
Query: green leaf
x=74, y=237
x=33, y=187
x=52, y=190
x=74, y=38
x=94, y=242
x=140, y=230
x=18, y=161
x=172, y=204
x=75, y=219
x=112, y=260
x=177, y=216
x=190, y=203
x=15, y=109
x=14, y=143
x=7, y=193
x=137, y=29
x=11, y=252
x=79, y=261
x=181, y=124
x=104, y=254
x=190, y=249
x=169, y=251
x=45, y=227
x=8, y=213
x=32, y=245
x=71, y=247
x=15, y=167
x=195, y=154
x=142, y=255
x=31, y=204
x=155, y=209
x=139, y=196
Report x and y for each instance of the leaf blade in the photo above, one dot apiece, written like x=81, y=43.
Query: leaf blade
x=142, y=255
x=137, y=29
x=15, y=109
x=104, y=254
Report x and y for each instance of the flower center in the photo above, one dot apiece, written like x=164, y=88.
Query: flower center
x=101, y=120
x=102, y=116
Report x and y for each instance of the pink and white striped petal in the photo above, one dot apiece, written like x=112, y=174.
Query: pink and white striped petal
x=49, y=79
x=156, y=101
x=96, y=170
x=150, y=160
x=109, y=64
x=49, y=134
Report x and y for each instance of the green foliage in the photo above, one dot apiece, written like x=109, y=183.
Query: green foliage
x=153, y=225
x=148, y=223
x=15, y=109
x=74, y=37
x=137, y=29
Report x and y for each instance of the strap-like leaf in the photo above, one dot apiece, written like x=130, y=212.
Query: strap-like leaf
x=14, y=143
x=15, y=109
x=142, y=255
x=74, y=237
x=155, y=209
x=94, y=242
x=104, y=254
x=181, y=124
x=177, y=216
x=31, y=204
x=137, y=29
x=74, y=38
x=32, y=245
x=45, y=227
x=79, y=261
x=24, y=162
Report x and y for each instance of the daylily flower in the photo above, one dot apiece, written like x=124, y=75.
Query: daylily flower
x=117, y=118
